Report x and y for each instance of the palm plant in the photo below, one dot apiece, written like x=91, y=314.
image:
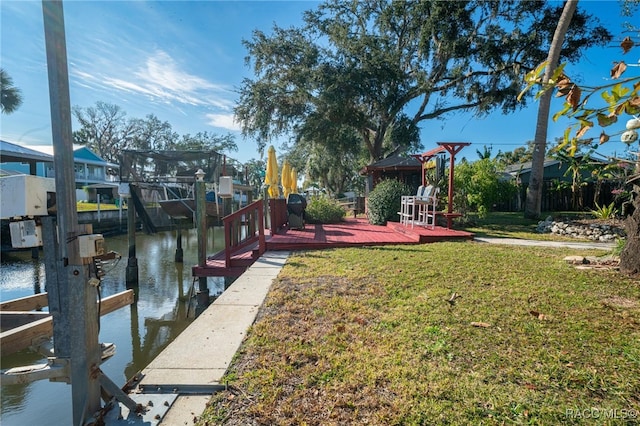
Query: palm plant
x=10, y=96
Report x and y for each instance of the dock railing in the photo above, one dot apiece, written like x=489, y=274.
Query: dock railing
x=244, y=228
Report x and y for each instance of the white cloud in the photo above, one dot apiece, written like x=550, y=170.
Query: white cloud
x=160, y=79
x=224, y=121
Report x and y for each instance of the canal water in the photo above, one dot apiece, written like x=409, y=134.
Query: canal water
x=165, y=306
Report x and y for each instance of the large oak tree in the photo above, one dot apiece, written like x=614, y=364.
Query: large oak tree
x=367, y=64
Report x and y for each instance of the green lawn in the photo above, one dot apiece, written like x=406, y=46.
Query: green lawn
x=89, y=207
x=447, y=333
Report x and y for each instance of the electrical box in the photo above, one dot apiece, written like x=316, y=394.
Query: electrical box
x=25, y=234
x=123, y=190
x=91, y=245
x=226, y=187
x=26, y=195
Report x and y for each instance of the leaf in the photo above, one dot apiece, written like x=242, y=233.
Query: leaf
x=564, y=85
x=608, y=98
x=618, y=69
x=540, y=68
x=605, y=120
x=563, y=111
x=538, y=315
x=531, y=77
x=558, y=73
x=626, y=44
x=565, y=138
x=573, y=148
x=584, y=128
x=619, y=91
x=604, y=138
x=574, y=97
x=452, y=299
x=619, y=109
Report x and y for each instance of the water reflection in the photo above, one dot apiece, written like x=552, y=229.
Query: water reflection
x=164, y=308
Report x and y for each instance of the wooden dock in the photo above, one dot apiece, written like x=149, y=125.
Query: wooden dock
x=352, y=232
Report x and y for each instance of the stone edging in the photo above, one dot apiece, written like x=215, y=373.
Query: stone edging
x=602, y=232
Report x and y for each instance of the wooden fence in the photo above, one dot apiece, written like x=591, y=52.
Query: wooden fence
x=561, y=198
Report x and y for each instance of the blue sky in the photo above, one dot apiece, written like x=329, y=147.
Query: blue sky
x=183, y=61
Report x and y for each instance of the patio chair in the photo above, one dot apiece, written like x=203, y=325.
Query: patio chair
x=427, y=206
x=408, y=205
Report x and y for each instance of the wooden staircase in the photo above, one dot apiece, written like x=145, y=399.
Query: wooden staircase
x=244, y=242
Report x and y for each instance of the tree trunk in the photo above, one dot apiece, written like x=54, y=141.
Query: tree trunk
x=534, y=191
x=630, y=256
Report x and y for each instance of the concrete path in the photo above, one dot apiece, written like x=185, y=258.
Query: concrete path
x=569, y=244
x=200, y=355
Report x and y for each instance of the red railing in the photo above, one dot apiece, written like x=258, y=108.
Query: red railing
x=244, y=228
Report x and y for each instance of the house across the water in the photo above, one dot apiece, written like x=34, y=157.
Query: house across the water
x=93, y=175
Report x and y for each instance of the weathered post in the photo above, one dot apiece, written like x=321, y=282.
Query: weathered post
x=201, y=220
x=73, y=270
x=132, y=263
x=179, y=257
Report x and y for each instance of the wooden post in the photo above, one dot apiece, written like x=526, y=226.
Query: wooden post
x=450, y=189
x=132, y=263
x=73, y=270
x=179, y=252
x=201, y=219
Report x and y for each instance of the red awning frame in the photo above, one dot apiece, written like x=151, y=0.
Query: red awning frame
x=452, y=148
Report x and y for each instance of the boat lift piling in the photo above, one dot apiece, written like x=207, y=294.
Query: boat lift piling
x=83, y=353
x=132, y=262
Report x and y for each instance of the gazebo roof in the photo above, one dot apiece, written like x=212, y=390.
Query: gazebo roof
x=394, y=162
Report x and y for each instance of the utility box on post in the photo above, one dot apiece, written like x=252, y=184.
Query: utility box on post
x=226, y=187
x=26, y=195
x=25, y=234
x=91, y=245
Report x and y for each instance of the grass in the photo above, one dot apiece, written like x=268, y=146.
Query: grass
x=89, y=207
x=447, y=333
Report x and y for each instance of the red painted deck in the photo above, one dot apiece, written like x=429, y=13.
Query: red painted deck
x=350, y=233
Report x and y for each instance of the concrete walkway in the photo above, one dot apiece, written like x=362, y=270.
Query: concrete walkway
x=536, y=243
x=192, y=366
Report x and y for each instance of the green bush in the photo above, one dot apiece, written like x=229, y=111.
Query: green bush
x=324, y=210
x=384, y=201
x=479, y=187
x=605, y=212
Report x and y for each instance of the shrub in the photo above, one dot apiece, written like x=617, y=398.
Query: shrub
x=479, y=187
x=605, y=212
x=324, y=210
x=384, y=201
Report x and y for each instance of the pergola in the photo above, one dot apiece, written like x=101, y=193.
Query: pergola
x=452, y=148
